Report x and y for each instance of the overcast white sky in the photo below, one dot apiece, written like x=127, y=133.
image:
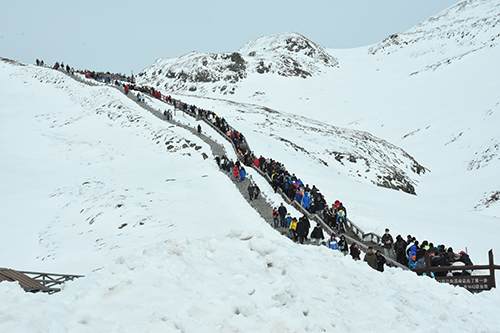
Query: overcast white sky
x=124, y=36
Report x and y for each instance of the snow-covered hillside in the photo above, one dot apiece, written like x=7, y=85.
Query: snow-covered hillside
x=93, y=184
x=165, y=240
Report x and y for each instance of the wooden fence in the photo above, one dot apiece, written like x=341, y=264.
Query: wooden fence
x=473, y=283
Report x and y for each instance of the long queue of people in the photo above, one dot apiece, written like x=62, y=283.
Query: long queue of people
x=106, y=77
x=311, y=199
x=57, y=66
x=406, y=252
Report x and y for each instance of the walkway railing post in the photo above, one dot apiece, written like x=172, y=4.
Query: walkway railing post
x=492, y=267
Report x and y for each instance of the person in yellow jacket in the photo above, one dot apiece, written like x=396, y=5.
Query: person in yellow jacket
x=292, y=230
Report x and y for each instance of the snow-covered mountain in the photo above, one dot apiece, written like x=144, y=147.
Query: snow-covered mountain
x=287, y=55
x=447, y=37
x=93, y=184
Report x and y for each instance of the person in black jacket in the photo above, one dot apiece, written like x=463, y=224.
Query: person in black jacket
x=388, y=243
x=399, y=248
x=307, y=225
x=380, y=261
x=317, y=234
x=438, y=260
x=282, y=214
x=343, y=246
x=301, y=230
x=355, y=252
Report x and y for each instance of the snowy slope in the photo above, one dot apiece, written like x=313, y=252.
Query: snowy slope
x=167, y=243
x=165, y=240
x=85, y=167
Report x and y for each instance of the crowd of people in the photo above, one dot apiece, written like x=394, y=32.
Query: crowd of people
x=411, y=253
x=407, y=252
x=106, y=77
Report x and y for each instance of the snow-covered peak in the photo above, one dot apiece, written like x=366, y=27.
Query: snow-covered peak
x=290, y=44
x=287, y=55
x=462, y=29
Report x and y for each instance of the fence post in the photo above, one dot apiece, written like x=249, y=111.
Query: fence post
x=492, y=268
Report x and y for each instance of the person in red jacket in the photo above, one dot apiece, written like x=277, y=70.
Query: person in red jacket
x=236, y=172
x=256, y=162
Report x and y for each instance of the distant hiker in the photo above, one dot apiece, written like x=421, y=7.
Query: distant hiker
x=275, y=216
x=282, y=214
x=298, y=197
x=464, y=257
x=332, y=242
x=355, y=252
x=199, y=129
x=306, y=201
x=399, y=248
x=293, y=229
x=342, y=208
x=387, y=242
x=37, y=62
x=317, y=234
x=413, y=248
x=371, y=258
x=236, y=172
x=250, y=190
x=343, y=246
x=288, y=221
x=217, y=160
x=307, y=223
x=438, y=260
x=380, y=261
x=302, y=230
x=256, y=191
x=340, y=225
x=243, y=174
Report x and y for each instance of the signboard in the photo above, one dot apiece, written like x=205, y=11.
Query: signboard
x=471, y=282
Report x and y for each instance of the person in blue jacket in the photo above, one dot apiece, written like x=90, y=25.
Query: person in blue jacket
x=298, y=197
x=306, y=201
x=243, y=174
x=332, y=242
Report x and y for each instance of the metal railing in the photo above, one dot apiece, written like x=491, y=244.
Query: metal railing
x=50, y=280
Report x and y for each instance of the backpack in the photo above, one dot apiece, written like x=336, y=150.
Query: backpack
x=419, y=264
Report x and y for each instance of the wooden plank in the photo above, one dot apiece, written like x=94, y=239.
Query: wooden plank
x=25, y=281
